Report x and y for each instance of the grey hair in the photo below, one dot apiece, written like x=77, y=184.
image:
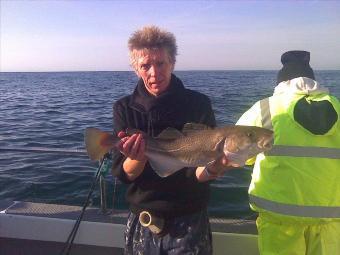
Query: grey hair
x=151, y=38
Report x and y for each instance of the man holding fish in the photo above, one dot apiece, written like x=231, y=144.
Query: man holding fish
x=167, y=162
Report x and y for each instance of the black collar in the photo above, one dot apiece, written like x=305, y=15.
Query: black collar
x=143, y=101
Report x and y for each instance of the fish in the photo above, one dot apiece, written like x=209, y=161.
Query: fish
x=196, y=145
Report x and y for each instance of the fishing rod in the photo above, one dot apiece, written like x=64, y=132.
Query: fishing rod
x=44, y=149
x=105, y=163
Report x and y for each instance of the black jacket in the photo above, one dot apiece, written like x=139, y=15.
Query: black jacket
x=177, y=194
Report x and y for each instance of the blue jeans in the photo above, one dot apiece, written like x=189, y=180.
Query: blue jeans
x=188, y=234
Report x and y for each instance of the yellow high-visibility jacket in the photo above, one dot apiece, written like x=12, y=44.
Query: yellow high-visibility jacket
x=300, y=176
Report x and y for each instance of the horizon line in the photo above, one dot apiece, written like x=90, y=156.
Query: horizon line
x=183, y=70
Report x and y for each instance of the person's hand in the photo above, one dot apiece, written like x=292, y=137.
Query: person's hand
x=236, y=159
x=219, y=167
x=132, y=146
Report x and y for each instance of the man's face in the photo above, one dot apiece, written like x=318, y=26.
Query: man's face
x=155, y=69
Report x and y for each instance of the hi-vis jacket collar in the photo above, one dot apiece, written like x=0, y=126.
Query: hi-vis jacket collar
x=300, y=86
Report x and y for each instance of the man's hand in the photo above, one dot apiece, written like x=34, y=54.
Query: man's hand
x=212, y=171
x=219, y=167
x=132, y=146
x=236, y=159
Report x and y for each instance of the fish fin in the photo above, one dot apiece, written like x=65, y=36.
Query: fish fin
x=169, y=134
x=210, y=163
x=220, y=145
x=189, y=127
x=98, y=143
x=163, y=165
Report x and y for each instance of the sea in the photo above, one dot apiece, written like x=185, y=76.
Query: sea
x=50, y=110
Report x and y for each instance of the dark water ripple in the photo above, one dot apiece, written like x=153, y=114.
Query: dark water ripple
x=53, y=109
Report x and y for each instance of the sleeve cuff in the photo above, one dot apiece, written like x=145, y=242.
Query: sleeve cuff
x=117, y=167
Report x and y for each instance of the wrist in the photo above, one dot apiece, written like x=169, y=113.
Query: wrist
x=209, y=173
x=133, y=168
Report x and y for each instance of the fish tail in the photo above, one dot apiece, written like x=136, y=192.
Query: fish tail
x=98, y=143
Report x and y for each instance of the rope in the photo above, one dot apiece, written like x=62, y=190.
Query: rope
x=114, y=192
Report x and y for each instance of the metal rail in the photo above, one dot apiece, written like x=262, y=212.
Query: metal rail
x=44, y=149
x=63, y=151
x=98, y=178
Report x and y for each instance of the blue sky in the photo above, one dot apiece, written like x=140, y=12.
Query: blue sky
x=211, y=35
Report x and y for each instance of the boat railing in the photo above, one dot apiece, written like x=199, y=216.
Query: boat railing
x=65, y=151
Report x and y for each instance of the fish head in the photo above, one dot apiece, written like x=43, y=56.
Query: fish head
x=248, y=140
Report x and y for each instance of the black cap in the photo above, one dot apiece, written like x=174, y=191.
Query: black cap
x=295, y=64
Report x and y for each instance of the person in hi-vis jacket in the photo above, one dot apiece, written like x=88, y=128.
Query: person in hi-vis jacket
x=295, y=187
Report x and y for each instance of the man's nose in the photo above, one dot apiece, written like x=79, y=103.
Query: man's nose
x=154, y=70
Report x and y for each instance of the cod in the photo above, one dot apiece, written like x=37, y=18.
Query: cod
x=196, y=145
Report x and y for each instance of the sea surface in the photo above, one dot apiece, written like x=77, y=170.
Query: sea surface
x=52, y=110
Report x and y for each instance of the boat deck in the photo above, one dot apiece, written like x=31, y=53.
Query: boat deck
x=37, y=228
